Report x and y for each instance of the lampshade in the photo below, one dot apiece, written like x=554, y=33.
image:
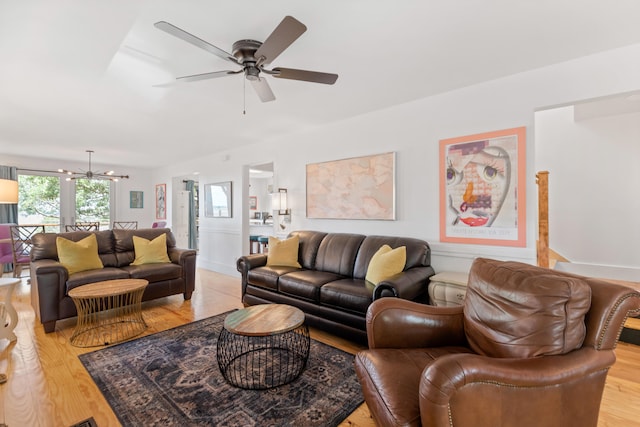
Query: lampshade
x=279, y=202
x=8, y=191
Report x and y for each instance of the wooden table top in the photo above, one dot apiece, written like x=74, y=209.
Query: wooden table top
x=9, y=281
x=107, y=288
x=264, y=319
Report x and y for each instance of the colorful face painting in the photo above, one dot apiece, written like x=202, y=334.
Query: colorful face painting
x=478, y=178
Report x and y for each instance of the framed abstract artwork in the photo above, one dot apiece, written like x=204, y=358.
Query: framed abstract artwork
x=482, y=188
x=355, y=188
x=161, y=201
x=136, y=199
x=253, y=203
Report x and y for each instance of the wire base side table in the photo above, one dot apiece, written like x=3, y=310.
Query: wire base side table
x=263, y=346
x=108, y=312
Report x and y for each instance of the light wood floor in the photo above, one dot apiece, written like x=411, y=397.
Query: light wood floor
x=48, y=386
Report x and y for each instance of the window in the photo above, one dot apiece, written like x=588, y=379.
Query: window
x=39, y=201
x=93, y=201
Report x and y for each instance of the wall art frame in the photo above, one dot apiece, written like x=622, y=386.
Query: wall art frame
x=161, y=201
x=136, y=199
x=253, y=203
x=218, y=200
x=354, y=188
x=483, y=188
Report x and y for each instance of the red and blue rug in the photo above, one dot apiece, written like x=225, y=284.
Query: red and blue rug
x=172, y=379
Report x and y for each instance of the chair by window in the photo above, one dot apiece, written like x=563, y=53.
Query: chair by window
x=529, y=347
x=83, y=226
x=159, y=224
x=21, y=245
x=125, y=225
x=6, y=254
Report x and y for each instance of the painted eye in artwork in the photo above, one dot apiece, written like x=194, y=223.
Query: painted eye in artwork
x=490, y=173
x=453, y=176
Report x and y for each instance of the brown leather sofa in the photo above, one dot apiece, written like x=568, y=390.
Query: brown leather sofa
x=330, y=287
x=530, y=347
x=51, y=283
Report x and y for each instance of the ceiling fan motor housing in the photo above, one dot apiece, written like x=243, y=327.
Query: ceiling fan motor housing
x=244, y=51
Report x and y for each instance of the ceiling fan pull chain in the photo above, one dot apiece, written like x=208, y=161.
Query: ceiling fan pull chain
x=244, y=96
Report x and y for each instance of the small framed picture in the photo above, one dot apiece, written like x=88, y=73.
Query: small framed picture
x=136, y=199
x=253, y=203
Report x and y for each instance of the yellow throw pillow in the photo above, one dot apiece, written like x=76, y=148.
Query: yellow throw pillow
x=79, y=256
x=283, y=253
x=150, y=251
x=386, y=262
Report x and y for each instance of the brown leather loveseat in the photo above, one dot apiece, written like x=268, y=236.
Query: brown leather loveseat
x=530, y=347
x=330, y=285
x=51, y=282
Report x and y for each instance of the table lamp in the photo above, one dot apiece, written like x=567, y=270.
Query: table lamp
x=8, y=191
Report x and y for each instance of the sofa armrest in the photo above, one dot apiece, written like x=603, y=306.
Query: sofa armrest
x=458, y=382
x=248, y=262
x=186, y=258
x=48, y=279
x=399, y=323
x=409, y=284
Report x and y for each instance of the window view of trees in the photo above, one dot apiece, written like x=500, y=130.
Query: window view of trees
x=92, y=201
x=39, y=200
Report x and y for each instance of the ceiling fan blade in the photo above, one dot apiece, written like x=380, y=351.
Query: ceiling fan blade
x=263, y=90
x=196, y=77
x=307, y=76
x=281, y=38
x=196, y=41
x=205, y=76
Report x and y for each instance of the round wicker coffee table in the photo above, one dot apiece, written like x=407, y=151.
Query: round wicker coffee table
x=108, y=312
x=263, y=346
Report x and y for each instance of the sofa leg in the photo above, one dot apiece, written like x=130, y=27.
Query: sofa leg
x=49, y=326
x=187, y=295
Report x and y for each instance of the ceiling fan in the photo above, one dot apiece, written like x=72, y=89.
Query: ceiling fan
x=89, y=174
x=253, y=56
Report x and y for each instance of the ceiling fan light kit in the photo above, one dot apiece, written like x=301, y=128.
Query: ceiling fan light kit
x=252, y=56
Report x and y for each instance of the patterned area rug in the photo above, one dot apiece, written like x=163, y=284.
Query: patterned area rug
x=172, y=379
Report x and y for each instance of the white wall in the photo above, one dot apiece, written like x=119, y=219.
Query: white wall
x=594, y=172
x=413, y=131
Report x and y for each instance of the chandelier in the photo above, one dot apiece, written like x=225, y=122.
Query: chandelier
x=89, y=174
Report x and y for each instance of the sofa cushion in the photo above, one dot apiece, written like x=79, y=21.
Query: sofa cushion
x=418, y=252
x=78, y=256
x=150, y=251
x=123, y=242
x=97, y=275
x=305, y=284
x=347, y=294
x=154, y=272
x=385, y=263
x=337, y=253
x=283, y=253
x=267, y=277
x=513, y=309
x=309, y=244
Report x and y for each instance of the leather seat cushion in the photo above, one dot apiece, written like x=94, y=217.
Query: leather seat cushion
x=306, y=284
x=392, y=378
x=154, y=272
x=347, y=294
x=513, y=309
x=98, y=275
x=267, y=277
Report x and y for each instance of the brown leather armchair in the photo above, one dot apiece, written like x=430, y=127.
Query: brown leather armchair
x=530, y=347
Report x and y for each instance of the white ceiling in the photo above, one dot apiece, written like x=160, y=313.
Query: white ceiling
x=79, y=74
